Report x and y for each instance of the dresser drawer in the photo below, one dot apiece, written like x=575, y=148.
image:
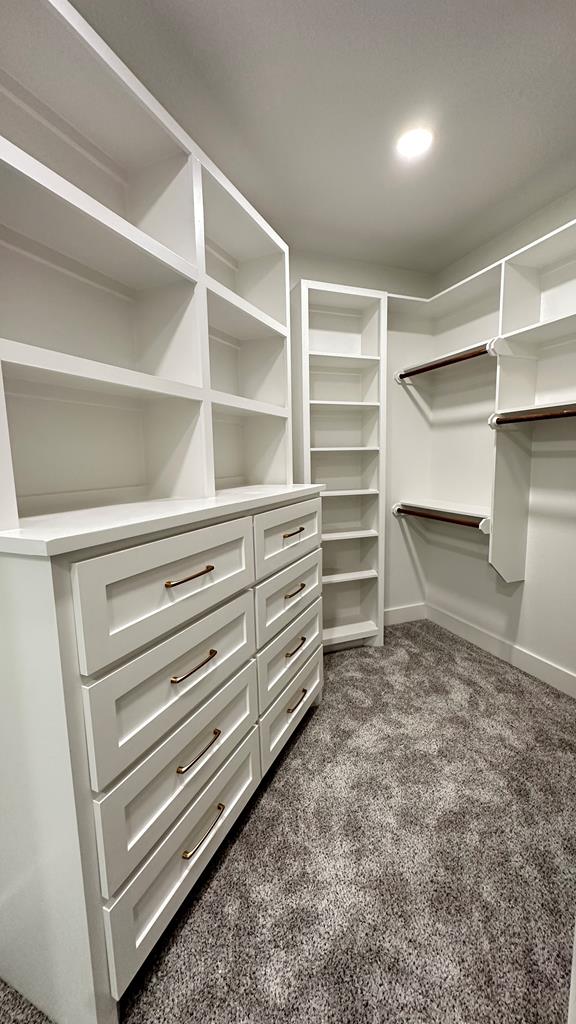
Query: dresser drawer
x=137, y=812
x=281, y=598
x=135, y=919
x=285, y=534
x=130, y=709
x=128, y=598
x=279, y=722
x=285, y=655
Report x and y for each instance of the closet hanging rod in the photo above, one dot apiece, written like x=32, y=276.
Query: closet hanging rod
x=448, y=360
x=544, y=412
x=476, y=522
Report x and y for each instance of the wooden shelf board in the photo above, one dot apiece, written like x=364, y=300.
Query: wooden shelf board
x=39, y=204
x=347, y=535
x=349, y=632
x=349, y=577
x=248, y=309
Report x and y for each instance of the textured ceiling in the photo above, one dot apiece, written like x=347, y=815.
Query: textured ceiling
x=300, y=101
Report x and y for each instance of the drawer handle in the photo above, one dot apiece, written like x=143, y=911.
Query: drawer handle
x=290, y=654
x=293, y=533
x=183, y=768
x=188, y=854
x=294, y=592
x=180, y=679
x=290, y=711
x=178, y=583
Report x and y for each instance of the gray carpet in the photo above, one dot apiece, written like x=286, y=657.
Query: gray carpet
x=412, y=858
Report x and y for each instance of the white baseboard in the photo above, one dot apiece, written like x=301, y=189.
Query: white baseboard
x=404, y=613
x=560, y=678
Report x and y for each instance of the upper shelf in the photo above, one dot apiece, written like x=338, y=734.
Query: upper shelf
x=40, y=205
x=341, y=360
x=460, y=356
x=528, y=341
x=480, y=291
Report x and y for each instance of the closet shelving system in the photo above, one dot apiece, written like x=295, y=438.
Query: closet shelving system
x=523, y=312
x=339, y=373
x=153, y=364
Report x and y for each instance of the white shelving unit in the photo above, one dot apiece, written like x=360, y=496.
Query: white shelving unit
x=339, y=363
x=154, y=361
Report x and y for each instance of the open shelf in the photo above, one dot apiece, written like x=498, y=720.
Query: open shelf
x=349, y=632
x=539, y=281
x=343, y=535
x=343, y=323
x=250, y=447
x=533, y=414
x=343, y=428
x=240, y=252
x=346, y=448
x=40, y=205
x=340, y=469
x=349, y=577
x=95, y=126
x=77, y=441
x=532, y=340
x=359, y=492
x=246, y=405
x=247, y=358
x=156, y=331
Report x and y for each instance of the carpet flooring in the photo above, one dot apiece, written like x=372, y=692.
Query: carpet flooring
x=410, y=860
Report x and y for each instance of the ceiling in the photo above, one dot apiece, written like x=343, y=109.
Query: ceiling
x=300, y=102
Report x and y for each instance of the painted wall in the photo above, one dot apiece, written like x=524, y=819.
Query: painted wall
x=358, y=274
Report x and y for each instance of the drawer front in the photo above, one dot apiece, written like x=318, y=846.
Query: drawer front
x=285, y=534
x=124, y=600
x=284, y=656
x=137, y=812
x=138, y=915
x=130, y=709
x=281, y=598
x=279, y=722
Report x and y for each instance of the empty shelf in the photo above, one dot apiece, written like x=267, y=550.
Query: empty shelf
x=539, y=334
x=449, y=359
x=341, y=360
x=557, y=411
x=321, y=404
x=476, y=519
x=348, y=577
x=356, y=448
x=234, y=315
x=239, y=404
x=352, y=493
x=349, y=632
x=348, y=535
x=41, y=205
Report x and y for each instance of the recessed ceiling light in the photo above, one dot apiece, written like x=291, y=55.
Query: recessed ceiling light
x=414, y=143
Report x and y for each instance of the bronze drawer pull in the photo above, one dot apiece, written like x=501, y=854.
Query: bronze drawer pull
x=178, y=583
x=290, y=654
x=294, y=592
x=293, y=533
x=186, y=767
x=180, y=679
x=188, y=854
x=290, y=711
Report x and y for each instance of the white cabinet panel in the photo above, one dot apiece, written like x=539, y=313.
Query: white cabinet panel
x=285, y=534
x=282, y=597
x=284, y=656
x=279, y=722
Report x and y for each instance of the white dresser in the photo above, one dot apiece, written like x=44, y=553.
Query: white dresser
x=148, y=685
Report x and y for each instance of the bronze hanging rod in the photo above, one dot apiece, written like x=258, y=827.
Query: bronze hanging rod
x=544, y=412
x=455, y=518
x=447, y=360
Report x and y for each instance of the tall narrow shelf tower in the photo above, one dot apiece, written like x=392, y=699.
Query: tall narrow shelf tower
x=339, y=373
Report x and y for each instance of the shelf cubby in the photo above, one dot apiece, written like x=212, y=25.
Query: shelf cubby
x=344, y=427
x=343, y=323
x=78, y=312
x=42, y=206
x=76, y=441
x=351, y=555
x=540, y=281
x=350, y=611
x=343, y=378
x=340, y=470
x=123, y=155
x=249, y=448
x=242, y=254
x=247, y=357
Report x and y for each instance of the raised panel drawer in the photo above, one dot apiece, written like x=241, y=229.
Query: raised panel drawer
x=284, y=656
x=285, y=534
x=135, y=919
x=129, y=710
x=126, y=599
x=281, y=598
x=279, y=722
x=137, y=812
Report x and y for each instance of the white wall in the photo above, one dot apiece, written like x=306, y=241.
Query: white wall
x=357, y=273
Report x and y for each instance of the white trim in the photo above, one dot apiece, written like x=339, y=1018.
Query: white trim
x=405, y=613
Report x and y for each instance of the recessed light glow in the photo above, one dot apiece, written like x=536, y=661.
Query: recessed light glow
x=414, y=144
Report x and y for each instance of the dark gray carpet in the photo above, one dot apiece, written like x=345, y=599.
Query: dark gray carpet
x=412, y=858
